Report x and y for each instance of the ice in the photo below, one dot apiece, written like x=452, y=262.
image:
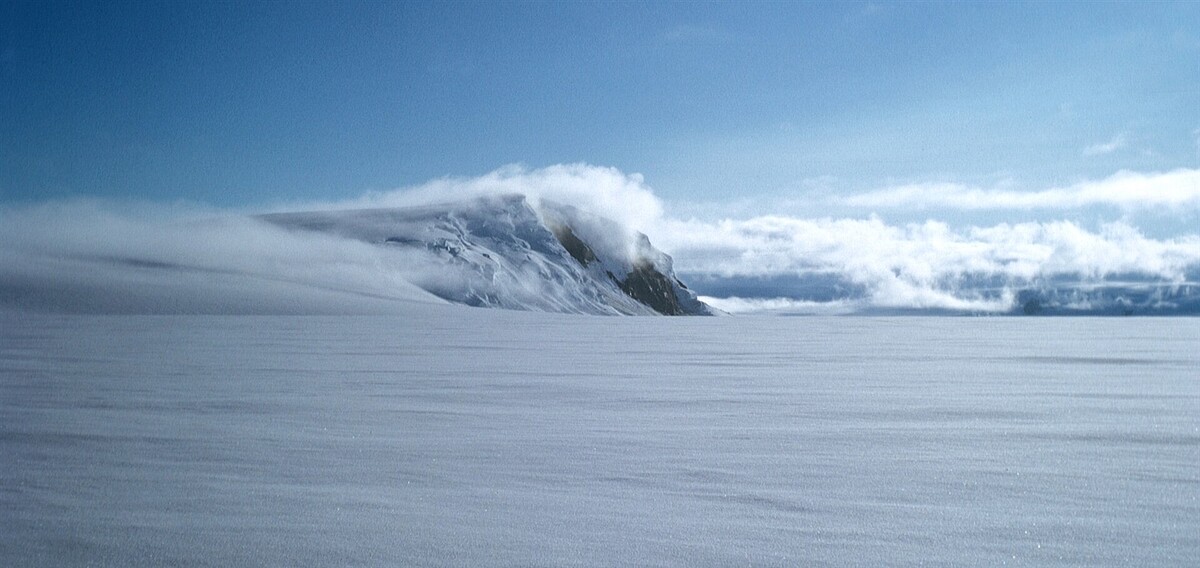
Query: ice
x=452, y=436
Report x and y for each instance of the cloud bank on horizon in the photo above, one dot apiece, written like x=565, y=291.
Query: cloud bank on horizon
x=1176, y=190
x=856, y=262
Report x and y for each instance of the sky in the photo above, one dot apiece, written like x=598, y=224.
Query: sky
x=236, y=103
x=1020, y=139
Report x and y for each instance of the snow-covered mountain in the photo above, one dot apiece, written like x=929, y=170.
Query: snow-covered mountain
x=508, y=252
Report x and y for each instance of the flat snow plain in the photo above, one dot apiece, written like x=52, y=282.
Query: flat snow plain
x=459, y=437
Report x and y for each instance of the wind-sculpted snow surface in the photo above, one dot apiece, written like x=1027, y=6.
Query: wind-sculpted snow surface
x=502, y=252
x=453, y=436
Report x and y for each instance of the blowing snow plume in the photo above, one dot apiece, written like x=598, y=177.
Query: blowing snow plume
x=502, y=252
x=91, y=256
x=86, y=257
x=497, y=251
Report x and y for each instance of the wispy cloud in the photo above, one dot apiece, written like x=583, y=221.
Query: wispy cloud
x=604, y=191
x=737, y=305
x=95, y=257
x=870, y=250
x=1127, y=190
x=1118, y=142
x=927, y=265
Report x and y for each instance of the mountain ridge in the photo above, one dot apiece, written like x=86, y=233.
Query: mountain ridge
x=507, y=252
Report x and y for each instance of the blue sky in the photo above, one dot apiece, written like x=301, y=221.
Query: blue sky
x=238, y=104
x=909, y=150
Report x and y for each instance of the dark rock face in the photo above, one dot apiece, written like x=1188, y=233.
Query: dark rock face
x=644, y=283
x=578, y=249
x=653, y=288
x=1032, y=307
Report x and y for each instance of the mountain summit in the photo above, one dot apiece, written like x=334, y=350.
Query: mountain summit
x=506, y=252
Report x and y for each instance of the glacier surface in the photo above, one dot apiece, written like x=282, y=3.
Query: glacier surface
x=450, y=436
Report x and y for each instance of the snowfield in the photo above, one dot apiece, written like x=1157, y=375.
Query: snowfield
x=451, y=436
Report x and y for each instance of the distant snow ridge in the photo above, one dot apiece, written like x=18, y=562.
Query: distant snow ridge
x=506, y=252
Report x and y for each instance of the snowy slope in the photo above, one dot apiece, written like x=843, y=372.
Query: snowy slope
x=505, y=252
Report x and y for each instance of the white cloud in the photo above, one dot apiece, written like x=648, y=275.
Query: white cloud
x=1118, y=142
x=926, y=265
x=604, y=191
x=1126, y=190
x=737, y=305
x=871, y=251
